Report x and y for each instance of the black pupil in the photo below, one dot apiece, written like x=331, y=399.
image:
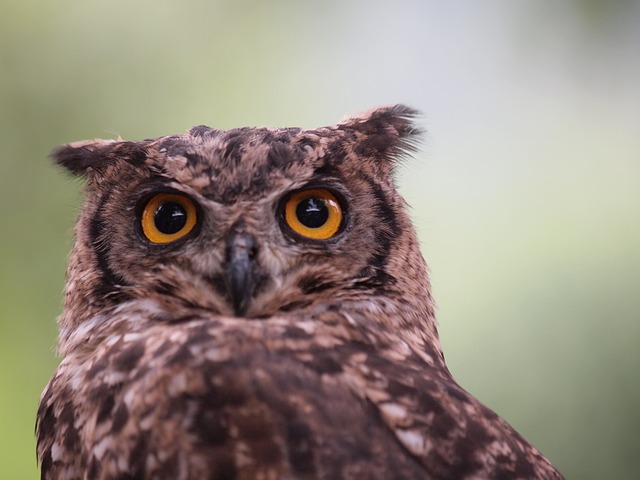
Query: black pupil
x=170, y=217
x=312, y=212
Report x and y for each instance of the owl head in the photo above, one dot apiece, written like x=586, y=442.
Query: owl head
x=247, y=222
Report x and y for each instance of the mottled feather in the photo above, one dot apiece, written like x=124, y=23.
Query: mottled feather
x=330, y=369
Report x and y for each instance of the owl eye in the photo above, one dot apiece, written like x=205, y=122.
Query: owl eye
x=314, y=213
x=167, y=217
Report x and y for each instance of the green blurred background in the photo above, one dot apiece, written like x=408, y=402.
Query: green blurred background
x=526, y=192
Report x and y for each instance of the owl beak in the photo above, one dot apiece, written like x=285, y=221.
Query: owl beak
x=239, y=273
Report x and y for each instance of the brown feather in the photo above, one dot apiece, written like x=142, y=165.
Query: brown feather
x=335, y=369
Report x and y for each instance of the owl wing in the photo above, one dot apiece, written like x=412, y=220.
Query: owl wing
x=438, y=424
x=449, y=431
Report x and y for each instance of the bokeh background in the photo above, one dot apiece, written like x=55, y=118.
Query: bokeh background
x=526, y=191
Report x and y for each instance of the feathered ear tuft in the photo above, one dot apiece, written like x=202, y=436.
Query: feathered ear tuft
x=78, y=157
x=385, y=132
x=82, y=158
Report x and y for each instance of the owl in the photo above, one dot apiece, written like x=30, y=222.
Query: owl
x=253, y=304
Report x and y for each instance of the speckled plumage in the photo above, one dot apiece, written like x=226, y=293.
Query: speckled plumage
x=333, y=369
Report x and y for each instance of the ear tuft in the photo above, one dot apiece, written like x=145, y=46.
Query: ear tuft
x=385, y=132
x=78, y=157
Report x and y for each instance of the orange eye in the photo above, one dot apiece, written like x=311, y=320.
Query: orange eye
x=314, y=213
x=168, y=217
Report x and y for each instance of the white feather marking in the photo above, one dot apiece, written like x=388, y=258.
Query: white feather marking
x=57, y=452
x=177, y=384
x=414, y=442
x=216, y=354
x=393, y=412
x=307, y=326
x=132, y=337
x=349, y=319
x=147, y=305
x=147, y=422
x=102, y=446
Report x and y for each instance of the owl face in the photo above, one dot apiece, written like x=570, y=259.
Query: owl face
x=245, y=222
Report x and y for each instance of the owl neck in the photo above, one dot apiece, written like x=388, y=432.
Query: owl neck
x=377, y=319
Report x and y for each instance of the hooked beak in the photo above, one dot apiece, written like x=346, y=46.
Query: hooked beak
x=239, y=273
